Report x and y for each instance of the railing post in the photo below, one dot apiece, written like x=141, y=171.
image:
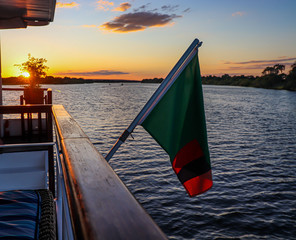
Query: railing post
x=51, y=169
x=49, y=96
x=48, y=100
x=22, y=116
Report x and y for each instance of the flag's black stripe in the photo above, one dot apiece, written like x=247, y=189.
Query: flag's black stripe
x=194, y=169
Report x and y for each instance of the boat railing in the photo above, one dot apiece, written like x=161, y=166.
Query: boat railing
x=100, y=205
x=27, y=145
x=91, y=201
x=64, y=223
x=47, y=94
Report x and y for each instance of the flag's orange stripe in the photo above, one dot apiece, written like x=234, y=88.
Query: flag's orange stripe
x=200, y=184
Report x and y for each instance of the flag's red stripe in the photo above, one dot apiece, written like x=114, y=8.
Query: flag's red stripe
x=191, y=151
x=198, y=185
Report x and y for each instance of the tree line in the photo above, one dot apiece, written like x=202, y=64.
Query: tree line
x=271, y=78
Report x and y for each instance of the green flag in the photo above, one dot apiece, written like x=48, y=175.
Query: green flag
x=176, y=120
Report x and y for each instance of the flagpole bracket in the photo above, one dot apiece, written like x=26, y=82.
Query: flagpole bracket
x=124, y=135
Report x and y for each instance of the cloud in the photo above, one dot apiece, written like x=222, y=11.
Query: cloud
x=138, y=21
x=238, y=14
x=104, y=5
x=67, y=5
x=258, y=64
x=142, y=8
x=186, y=10
x=89, y=26
x=95, y=73
x=252, y=67
x=122, y=7
x=271, y=61
x=169, y=8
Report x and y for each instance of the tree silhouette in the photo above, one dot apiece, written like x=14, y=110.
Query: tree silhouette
x=269, y=70
x=274, y=70
x=293, y=68
x=37, y=69
x=279, y=67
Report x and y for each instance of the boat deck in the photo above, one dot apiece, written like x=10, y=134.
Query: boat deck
x=91, y=201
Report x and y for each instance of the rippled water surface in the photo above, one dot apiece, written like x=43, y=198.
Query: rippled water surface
x=252, y=141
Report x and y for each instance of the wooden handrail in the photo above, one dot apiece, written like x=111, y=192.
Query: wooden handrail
x=29, y=108
x=19, y=89
x=101, y=207
x=48, y=97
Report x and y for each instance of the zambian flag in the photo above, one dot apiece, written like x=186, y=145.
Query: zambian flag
x=176, y=120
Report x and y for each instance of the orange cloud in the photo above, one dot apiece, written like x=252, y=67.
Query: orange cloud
x=104, y=5
x=238, y=14
x=89, y=26
x=67, y=5
x=138, y=21
x=123, y=7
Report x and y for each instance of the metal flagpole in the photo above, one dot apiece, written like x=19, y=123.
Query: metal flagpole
x=129, y=130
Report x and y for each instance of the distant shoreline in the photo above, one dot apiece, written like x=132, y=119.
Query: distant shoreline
x=269, y=81
x=65, y=80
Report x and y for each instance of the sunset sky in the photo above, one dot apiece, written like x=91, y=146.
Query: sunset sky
x=138, y=39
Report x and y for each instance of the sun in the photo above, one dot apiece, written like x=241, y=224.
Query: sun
x=26, y=74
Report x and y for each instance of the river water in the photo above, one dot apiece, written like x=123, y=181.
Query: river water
x=252, y=142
